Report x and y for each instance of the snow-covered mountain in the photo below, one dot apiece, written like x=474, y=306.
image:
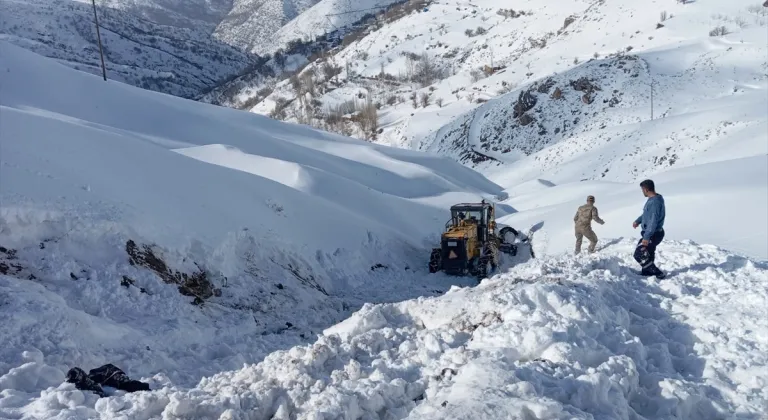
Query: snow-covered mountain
x=183, y=13
x=246, y=268
x=177, y=60
x=251, y=25
x=436, y=66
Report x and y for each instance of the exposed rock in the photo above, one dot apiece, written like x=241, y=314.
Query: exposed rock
x=568, y=21
x=546, y=86
x=526, y=119
x=584, y=85
x=525, y=102
x=557, y=94
x=196, y=284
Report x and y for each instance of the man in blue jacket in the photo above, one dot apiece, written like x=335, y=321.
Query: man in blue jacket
x=652, y=230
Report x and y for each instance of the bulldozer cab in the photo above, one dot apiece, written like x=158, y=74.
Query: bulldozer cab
x=478, y=214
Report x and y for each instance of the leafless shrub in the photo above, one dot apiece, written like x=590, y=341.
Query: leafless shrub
x=278, y=112
x=414, y=99
x=469, y=32
x=740, y=22
x=663, y=16
x=366, y=118
x=424, y=70
x=295, y=83
x=480, y=31
x=439, y=102
x=476, y=75
x=249, y=103
x=424, y=99
x=719, y=31
x=265, y=91
x=538, y=43
x=307, y=82
x=330, y=70
x=509, y=13
x=505, y=88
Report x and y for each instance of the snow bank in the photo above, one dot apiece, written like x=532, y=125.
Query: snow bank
x=291, y=227
x=556, y=338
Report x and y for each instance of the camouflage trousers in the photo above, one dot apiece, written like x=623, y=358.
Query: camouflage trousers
x=581, y=232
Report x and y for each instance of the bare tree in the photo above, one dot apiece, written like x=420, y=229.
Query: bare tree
x=367, y=119
x=424, y=99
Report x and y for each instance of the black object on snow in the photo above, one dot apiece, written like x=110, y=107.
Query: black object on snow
x=107, y=375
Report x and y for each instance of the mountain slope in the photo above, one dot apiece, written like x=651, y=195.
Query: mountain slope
x=435, y=66
x=265, y=232
x=251, y=25
x=180, y=61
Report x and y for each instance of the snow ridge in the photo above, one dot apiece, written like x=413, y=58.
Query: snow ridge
x=555, y=338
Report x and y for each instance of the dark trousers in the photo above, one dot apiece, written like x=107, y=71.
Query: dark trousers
x=646, y=255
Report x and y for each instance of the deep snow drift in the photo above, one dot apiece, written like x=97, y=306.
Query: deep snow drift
x=556, y=338
x=292, y=228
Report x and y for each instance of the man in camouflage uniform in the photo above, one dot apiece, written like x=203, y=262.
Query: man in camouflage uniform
x=583, y=221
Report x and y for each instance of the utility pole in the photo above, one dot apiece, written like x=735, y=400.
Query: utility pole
x=650, y=76
x=651, y=98
x=98, y=37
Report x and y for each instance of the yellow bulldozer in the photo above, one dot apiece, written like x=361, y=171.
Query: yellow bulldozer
x=471, y=242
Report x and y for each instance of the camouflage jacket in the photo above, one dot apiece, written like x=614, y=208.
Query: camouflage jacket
x=585, y=214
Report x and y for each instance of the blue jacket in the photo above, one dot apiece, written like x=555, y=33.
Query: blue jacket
x=652, y=219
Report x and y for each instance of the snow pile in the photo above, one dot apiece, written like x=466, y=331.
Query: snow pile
x=264, y=232
x=555, y=338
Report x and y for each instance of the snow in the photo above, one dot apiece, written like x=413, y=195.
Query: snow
x=141, y=45
x=318, y=242
x=708, y=89
x=296, y=227
x=722, y=203
x=323, y=17
x=556, y=338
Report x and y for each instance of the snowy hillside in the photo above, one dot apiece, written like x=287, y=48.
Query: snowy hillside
x=324, y=17
x=708, y=94
x=180, y=61
x=264, y=232
x=251, y=25
x=183, y=13
x=433, y=66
